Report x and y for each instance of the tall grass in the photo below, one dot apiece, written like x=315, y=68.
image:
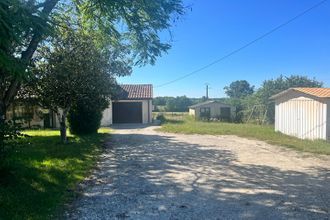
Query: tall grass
x=264, y=133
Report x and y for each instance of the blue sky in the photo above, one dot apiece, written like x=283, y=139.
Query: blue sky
x=216, y=27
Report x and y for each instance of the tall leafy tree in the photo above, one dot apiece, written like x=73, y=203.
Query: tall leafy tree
x=274, y=86
x=74, y=70
x=239, y=89
x=178, y=104
x=24, y=24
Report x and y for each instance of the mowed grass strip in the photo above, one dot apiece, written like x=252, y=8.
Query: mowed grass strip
x=263, y=133
x=40, y=174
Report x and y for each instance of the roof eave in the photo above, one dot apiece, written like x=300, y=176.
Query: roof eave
x=273, y=97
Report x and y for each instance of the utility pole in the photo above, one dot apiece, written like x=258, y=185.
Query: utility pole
x=207, y=90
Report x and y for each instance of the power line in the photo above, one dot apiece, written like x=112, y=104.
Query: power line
x=244, y=46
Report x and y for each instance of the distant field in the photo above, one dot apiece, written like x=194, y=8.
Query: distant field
x=171, y=115
x=188, y=125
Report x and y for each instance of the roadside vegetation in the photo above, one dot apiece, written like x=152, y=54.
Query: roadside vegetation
x=187, y=125
x=40, y=173
x=252, y=105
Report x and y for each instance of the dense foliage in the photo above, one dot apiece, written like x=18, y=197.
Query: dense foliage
x=178, y=104
x=131, y=27
x=74, y=70
x=258, y=107
x=239, y=89
x=10, y=133
x=274, y=86
x=85, y=117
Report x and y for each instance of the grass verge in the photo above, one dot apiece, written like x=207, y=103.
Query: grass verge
x=263, y=133
x=40, y=174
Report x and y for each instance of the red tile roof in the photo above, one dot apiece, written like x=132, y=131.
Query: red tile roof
x=135, y=91
x=317, y=92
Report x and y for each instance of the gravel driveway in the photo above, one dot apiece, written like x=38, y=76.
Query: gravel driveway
x=144, y=174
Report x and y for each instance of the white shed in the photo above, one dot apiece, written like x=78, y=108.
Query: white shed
x=303, y=112
x=213, y=109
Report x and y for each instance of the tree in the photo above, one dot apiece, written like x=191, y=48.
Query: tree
x=25, y=24
x=178, y=104
x=160, y=100
x=274, y=86
x=85, y=115
x=239, y=89
x=72, y=71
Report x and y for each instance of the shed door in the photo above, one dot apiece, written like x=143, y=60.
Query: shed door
x=127, y=112
x=225, y=113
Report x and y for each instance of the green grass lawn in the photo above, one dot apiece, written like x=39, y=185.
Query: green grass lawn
x=40, y=174
x=264, y=133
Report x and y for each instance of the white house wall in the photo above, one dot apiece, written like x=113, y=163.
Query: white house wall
x=192, y=112
x=302, y=116
x=146, y=111
x=107, y=116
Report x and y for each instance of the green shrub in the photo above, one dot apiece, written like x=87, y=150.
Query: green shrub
x=84, y=119
x=161, y=118
x=10, y=133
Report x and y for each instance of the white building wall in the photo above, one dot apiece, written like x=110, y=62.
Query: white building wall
x=107, y=116
x=150, y=111
x=192, y=112
x=145, y=111
x=303, y=116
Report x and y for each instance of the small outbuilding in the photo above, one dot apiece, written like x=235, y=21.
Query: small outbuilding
x=303, y=112
x=133, y=104
x=212, y=109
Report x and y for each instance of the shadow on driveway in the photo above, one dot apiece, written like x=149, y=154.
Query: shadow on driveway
x=158, y=177
x=130, y=126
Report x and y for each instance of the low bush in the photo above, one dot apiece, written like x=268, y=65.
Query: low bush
x=161, y=118
x=84, y=120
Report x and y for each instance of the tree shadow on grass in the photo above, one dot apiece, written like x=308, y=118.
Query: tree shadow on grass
x=40, y=172
x=158, y=177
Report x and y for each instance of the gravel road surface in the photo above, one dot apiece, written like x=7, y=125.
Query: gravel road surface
x=145, y=174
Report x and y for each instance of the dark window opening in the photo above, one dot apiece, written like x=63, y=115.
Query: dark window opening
x=225, y=113
x=205, y=113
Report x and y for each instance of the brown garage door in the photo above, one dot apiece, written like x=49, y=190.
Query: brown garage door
x=127, y=112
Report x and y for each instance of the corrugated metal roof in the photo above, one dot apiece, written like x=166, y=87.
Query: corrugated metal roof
x=135, y=91
x=201, y=104
x=317, y=92
x=206, y=103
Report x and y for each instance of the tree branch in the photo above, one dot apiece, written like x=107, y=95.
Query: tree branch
x=28, y=53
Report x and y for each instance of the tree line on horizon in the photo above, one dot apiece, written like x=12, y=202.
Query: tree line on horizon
x=249, y=101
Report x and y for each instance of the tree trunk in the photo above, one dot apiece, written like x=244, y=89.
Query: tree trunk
x=2, y=111
x=2, y=125
x=64, y=138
